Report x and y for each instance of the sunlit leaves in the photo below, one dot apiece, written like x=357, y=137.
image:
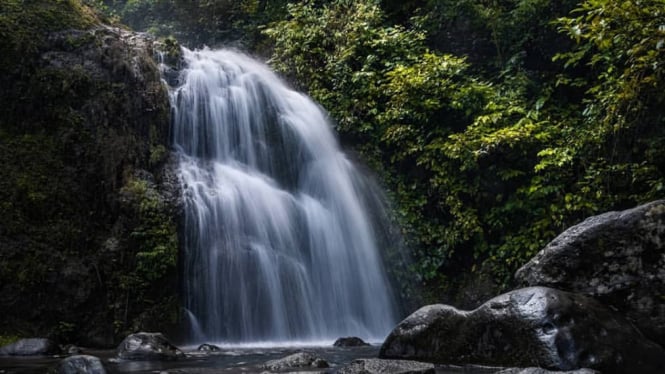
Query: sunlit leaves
x=490, y=170
x=620, y=41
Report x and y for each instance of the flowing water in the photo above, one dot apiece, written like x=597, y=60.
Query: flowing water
x=282, y=232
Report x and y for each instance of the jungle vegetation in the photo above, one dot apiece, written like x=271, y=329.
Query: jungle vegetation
x=493, y=124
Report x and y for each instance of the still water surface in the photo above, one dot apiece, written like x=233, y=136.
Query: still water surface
x=229, y=360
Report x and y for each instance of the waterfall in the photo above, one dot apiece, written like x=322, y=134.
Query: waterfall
x=281, y=231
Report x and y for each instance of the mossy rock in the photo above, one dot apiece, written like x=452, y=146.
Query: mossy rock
x=86, y=109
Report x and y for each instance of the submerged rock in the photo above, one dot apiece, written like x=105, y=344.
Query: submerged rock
x=544, y=371
x=208, y=348
x=148, y=346
x=350, y=341
x=379, y=366
x=80, y=364
x=616, y=257
x=30, y=347
x=534, y=326
x=72, y=349
x=296, y=360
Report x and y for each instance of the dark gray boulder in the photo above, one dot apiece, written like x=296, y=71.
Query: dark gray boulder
x=30, y=347
x=534, y=326
x=295, y=361
x=208, y=348
x=80, y=364
x=350, y=341
x=72, y=349
x=616, y=257
x=544, y=371
x=379, y=366
x=148, y=346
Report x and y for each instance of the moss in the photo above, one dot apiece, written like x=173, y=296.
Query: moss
x=8, y=339
x=76, y=122
x=155, y=231
x=158, y=154
x=25, y=24
x=153, y=264
x=172, y=48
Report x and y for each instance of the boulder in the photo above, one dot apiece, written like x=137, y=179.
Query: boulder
x=616, y=257
x=148, y=346
x=30, y=347
x=350, y=341
x=296, y=360
x=534, y=326
x=543, y=371
x=80, y=364
x=378, y=366
x=208, y=348
x=72, y=349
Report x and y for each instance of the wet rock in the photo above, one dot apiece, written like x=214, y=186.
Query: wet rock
x=30, y=347
x=534, y=326
x=71, y=349
x=208, y=348
x=198, y=370
x=80, y=364
x=350, y=341
x=378, y=366
x=296, y=360
x=544, y=371
x=148, y=346
x=616, y=257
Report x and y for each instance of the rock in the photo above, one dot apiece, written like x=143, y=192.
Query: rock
x=80, y=364
x=197, y=370
x=378, y=366
x=30, y=347
x=84, y=107
x=208, y=348
x=543, y=371
x=296, y=360
x=71, y=349
x=616, y=257
x=148, y=346
x=350, y=341
x=534, y=326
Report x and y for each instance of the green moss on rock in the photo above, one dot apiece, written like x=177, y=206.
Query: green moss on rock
x=86, y=112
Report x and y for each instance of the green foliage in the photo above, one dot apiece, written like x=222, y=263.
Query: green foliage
x=489, y=172
x=198, y=23
x=619, y=140
x=390, y=96
x=340, y=52
x=492, y=33
x=8, y=339
x=23, y=24
x=144, y=288
x=154, y=233
x=494, y=124
x=623, y=43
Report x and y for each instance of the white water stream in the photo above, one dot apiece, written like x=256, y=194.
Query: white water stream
x=281, y=229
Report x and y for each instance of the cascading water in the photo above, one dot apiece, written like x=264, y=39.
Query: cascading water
x=280, y=228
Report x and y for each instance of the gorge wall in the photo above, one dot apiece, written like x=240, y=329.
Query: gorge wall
x=88, y=241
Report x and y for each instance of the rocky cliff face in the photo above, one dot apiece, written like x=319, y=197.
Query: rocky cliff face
x=88, y=239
